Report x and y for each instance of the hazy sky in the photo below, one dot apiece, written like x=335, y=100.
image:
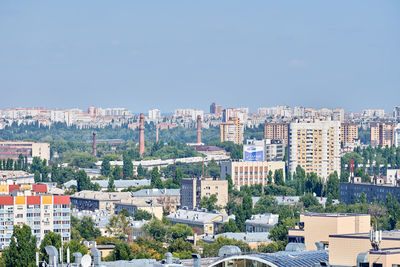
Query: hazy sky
x=177, y=54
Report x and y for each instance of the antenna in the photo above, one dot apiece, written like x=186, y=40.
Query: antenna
x=86, y=261
x=375, y=237
x=351, y=176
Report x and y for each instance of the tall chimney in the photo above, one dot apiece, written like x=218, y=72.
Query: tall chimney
x=141, y=135
x=198, y=129
x=157, y=133
x=94, y=147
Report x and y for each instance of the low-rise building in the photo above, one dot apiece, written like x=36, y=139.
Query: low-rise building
x=16, y=177
x=168, y=198
x=261, y=222
x=309, y=230
x=254, y=240
x=133, y=204
x=206, y=222
x=93, y=200
x=12, y=150
x=121, y=184
x=351, y=192
x=194, y=189
x=250, y=172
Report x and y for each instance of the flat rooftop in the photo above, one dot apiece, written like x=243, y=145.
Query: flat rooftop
x=387, y=235
x=313, y=214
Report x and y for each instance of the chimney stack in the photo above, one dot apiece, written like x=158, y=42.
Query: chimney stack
x=141, y=135
x=157, y=133
x=198, y=129
x=94, y=147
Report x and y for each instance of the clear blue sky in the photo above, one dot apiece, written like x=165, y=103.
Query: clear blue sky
x=176, y=54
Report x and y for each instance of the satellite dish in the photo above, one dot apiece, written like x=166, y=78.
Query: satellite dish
x=86, y=261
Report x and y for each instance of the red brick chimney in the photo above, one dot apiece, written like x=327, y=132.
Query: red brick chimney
x=141, y=135
x=198, y=129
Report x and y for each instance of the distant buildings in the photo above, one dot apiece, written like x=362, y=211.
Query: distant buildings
x=397, y=135
x=121, y=184
x=12, y=149
x=232, y=130
x=194, y=189
x=250, y=172
x=277, y=131
x=216, y=109
x=16, y=178
x=315, y=146
x=154, y=115
x=382, y=134
x=351, y=192
x=349, y=133
x=396, y=113
x=373, y=113
x=261, y=222
x=264, y=150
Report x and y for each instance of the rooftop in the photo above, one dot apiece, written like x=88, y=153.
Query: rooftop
x=123, y=183
x=156, y=192
x=246, y=237
x=182, y=215
x=387, y=235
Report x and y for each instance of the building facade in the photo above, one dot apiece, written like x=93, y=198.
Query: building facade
x=12, y=149
x=232, y=130
x=250, y=172
x=382, y=134
x=270, y=150
x=277, y=131
x=193, y=190
x=315, y=147
x=349, y=133
x=351, y=192
x=42, y=213
x=261, y=222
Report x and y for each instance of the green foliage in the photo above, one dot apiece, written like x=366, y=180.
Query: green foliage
x=119, y=226
x=50, y=239
x=83, y=180
x=213, y=169
x=181, y=248
x=156, y=178
x=22, y=249
x=278, y=177
x=180, y=230
x=157, y=230
x=116, y=173
x=236, y=151
x=78, y=159
x=211, y=249
x=332, y=185
x=229, y=227
x=74, y=246
x=110, y=186
x=121, y=251
x=106, y=167
x=142, y=215
x=85, y=228
x=127, y=168
x=209, y=203
x=272, y=247
x=309, y=200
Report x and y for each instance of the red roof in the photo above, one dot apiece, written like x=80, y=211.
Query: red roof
x=39, y=188
x=33, y=200
x=13, y=187
x=6, y=200
x=61, y=200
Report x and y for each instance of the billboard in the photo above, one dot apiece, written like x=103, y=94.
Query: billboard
x=253, y=153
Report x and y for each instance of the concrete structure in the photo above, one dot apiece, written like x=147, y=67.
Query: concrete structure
x=141, y=135
x=216, y=109
x=43, y=213
x=93, y=200
x=121, y=184
x=349, y=133
x=397, y=135
x=16, y=177
x=272, y=150
x=396, y=113
x=194, y=189
x=277, y=131
x=12, y=149
x=382, y=133
x=373, y=113
x=134, y=204
x=154, y=115
x=393, y=177
x=168, y=198
x=250, y=172
x=207, y=222
x=198, y=129
x=261, y=222
x=315, y=147
x=232, y=130
x=351, y=192
x=309, y=228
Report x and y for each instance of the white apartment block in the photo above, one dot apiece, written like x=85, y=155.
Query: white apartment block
x=373, y=113
x=396, y=135
x=189, y=113
x=154, y=115
x=315, y=146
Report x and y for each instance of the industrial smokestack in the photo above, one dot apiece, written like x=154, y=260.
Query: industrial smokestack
x=94, y=146
x=141, y=135
x=157, y=133
x=198, y=129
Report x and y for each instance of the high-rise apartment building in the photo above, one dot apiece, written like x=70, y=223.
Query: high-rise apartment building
x=397, y=135
x=42, y=213
x=193, y=190
x=263, y=150
x=349, y=133
x=396, y=113
x=232, y=130
x=315, y=147
x=276, y=131
x=216, y=109
x=154, y=115
x=382, y=133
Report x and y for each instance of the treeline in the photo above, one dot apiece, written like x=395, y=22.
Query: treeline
x=10, y=165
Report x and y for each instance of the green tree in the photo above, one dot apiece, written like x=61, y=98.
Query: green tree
x=74, y=246
x=363, y=198
x=213, y=169
x=332, y=185
x=229, y=227
x=117, y=173
x=278, y=177
x=106, y=167
x=121, y=251
x=22, y=249
x=180, y=230
x=37, y=177
x=209, y=203
x=156, y=178
x=181, y=248
x=178, y=176
x=142, y=215
x=211, y=249
x=309, y=200
x=83, y=180
x=110, y=186
x=86, y=228
x=156, y=229
x=141, y=172
x=119, y=226
x=50, y=239
x=127, y=168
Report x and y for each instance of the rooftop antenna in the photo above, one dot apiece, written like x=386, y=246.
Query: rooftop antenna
x=375, y=237
x=351, y=175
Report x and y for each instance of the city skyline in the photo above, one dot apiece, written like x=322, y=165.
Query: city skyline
x=141, y=56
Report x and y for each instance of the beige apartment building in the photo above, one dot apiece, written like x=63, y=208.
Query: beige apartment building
x=315, y=146
x=382, y=133
x=277, y=131
x=250, y=172
x=349, y=133
x=317, y=227
x=232, y=130
x=12, y=149
x=193, y=190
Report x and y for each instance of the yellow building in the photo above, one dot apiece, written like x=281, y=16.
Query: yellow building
x=317, y=227
x=315, y=146
x=349, y=133
x=12, y=149
x=277, y=131
x=382, y=134
x=232, y=130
